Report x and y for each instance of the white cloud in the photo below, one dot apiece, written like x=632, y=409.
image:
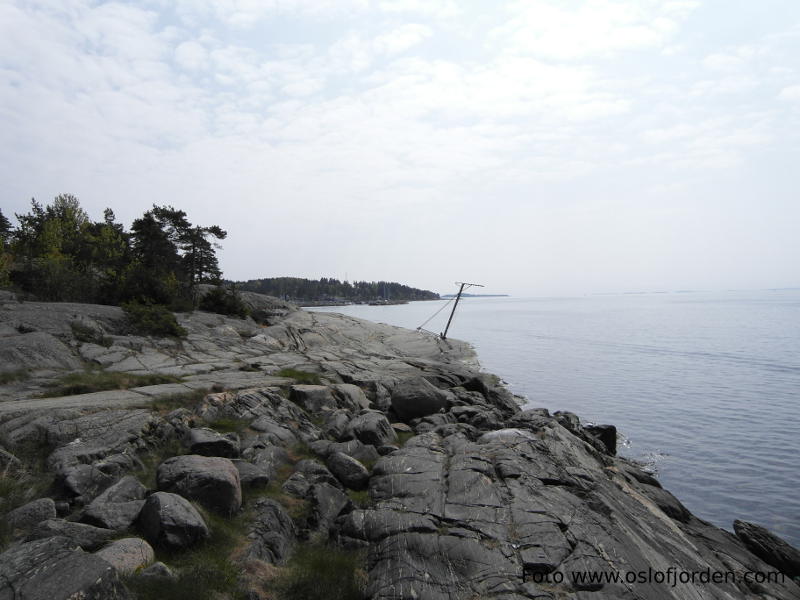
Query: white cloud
x=791, y=93
x=402, y=38
x=598, y=28
x=355, y=116
x=191, y=55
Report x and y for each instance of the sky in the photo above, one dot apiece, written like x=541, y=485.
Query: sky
x=539, y=147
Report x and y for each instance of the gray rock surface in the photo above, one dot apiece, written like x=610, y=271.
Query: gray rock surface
x=207, y=442
x=211, y=481
x=485, y=501
x=117, y=507
x=251, y=475
x=158, y=570
x=127, y=555
x=30, y=514
x=272, y=533
x=171, y=521
x=86, y=536
x=372, y=427
x=348, y=470
x=416, y=397
x=55, y=569
x=769, y=547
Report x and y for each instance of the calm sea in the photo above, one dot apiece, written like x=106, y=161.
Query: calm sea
x=704, y=387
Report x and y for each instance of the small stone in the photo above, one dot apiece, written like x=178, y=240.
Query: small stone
x=127, y=555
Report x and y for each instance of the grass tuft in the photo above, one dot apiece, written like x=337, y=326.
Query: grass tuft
x=12, y=376
x=97, y=381
x=361, y=498
x=21, y=484
x=403, y=437
x=167, y=404
x=155, y=457
x=228, y=425
x=206, y=571
x=303, y=377
x=322, y=572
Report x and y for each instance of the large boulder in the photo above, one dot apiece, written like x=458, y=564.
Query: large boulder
x=30, y=514
x=272, y=532
x=313, y=398
x=769, y=547
x=350, y=396
x=348, y=470
x=372, y=427
x=127, y=555
x=86, y=536
x=55, y=569
x=118, y=506
x=251, y=475
x=207, y=442
x=415, y=398
x=210, y=480
x=171, y=521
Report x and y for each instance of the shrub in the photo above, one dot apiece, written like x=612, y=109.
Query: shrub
x=153, y=319
x=224, y=302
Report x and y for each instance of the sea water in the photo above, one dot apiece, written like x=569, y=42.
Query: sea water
x=703, y=387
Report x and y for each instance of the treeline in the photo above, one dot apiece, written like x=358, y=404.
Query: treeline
x=57, y=253
x=315, y=290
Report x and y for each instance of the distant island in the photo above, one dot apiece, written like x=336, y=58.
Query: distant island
x=329, y=291
x=475, y=295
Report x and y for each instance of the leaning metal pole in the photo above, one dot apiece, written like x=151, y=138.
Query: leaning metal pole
x=458, y=297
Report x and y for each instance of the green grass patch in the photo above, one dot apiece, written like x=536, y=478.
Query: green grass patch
x=23, y=483
x=98, y=381
x=15, y=375
x=228, y=425
x=206, y=571
x=153, y=458
x=322, y=572
x=361, y=498
x=303, y=377
x=85, y=334
x=167, y=404
x=403, y=437
x=299, y=452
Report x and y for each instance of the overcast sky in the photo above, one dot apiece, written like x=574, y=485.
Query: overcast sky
x=539, y=147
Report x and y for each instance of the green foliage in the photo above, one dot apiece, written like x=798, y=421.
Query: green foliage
x=227, y=425
x=7, y=377
x=20, y=484
x=97, y=381
x=361, y=498
x=206, y=571
x=224, y=302
x=57, y=253
x=85, y=334
x=154, y=457
x=403, y=437
x=167, y=404
x=322, y=572
x=303, y=377
x=153, y=319
x=295, y=288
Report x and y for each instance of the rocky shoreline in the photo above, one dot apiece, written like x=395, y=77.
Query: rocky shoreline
x=320, y=430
